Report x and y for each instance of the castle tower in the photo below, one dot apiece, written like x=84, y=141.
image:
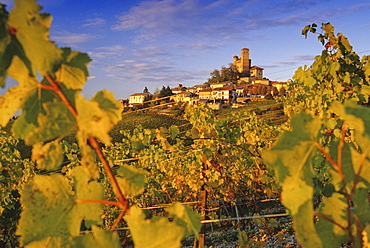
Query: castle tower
x=243, y=64
x=246, y=62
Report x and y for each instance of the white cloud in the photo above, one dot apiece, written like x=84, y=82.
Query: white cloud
x=199, y=22
x=116, y=48
x=94, y=22
x=72, y=39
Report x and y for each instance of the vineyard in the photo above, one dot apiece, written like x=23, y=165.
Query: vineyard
x=293, y=172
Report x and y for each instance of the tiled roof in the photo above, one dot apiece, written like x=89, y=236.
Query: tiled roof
x=140, y=94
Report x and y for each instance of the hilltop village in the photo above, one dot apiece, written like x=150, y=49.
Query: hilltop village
x=249, y=86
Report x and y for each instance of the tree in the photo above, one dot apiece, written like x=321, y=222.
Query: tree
x=275, y=91
x=215, y=77
x=282, y=91
x=165, y=91
x=168, y=91
x=156, y=93
x=225, y=74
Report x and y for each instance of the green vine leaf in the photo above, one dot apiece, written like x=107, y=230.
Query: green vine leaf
x=187, y=218
x=97, y=118
x=73, y=72
x=87, y=189
x=49, y=211
x=13, y=100
x=335, y=208
x=291, y=159
x=109, y=105
x=132, y=180
x=98, y=238
x=48, y=156
x=26, y=123
x=57, y=122
x=155, y=233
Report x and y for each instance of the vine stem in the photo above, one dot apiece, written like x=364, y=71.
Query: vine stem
x=123, y=203
x=339, y=168
x=330, y=220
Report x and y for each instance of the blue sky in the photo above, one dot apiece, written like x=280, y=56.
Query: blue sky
x=136, y=44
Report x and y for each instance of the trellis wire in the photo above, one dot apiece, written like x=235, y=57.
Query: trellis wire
x=230, y=219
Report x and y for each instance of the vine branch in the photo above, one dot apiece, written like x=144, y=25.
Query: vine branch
x=123, y=203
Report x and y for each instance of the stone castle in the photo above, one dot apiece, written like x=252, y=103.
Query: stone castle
x=247, y=72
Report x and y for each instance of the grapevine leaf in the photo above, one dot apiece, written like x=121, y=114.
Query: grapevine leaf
x=345, y=152
x=48, y=156
x=304, y=226
x=366, y=69
x=73, y=72
x=358, y=119
x=98, y=238
x=292, y=152
x=362, y=115
x=305, y=128
x=88, y=160
x=52, y=242
x=363, y=164
x=174, y=130
x=155, y=233
x=57, y=122
x=132, y=180
x=185, y=217
x=71, y=77
x=334, y=208
x=76, y=59
x=97, y=117
x=86, y=189
x=344, y=42
x=27, y=121
x=327, y=27
x=49, y=211
x=291, y=158
x=361, y=204
x=109, y=105
x=295, y=194
x=11, y=101
x=33, y=34
x=4, y=42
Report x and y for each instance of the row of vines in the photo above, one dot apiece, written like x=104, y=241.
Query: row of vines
x=84, y=194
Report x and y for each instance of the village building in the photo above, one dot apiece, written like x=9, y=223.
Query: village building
x=248, y=73
x=178, y=89
x=186, y=97
x=217, y=85
x=263, y=81
x=248, y=87
x=243, y=63
x=138, y=99
x=279, y=85
x=256, y=73
x=205, y=94
x=222, y=93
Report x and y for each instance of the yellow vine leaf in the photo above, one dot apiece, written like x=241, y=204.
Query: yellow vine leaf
x=158, y=232
x=32, y=31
